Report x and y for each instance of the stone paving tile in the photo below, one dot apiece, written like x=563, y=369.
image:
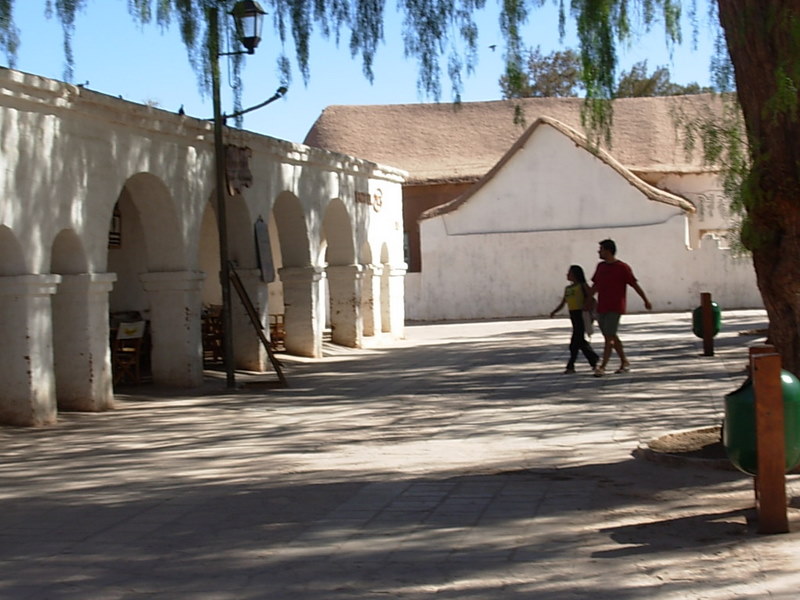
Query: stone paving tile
x=457, y=464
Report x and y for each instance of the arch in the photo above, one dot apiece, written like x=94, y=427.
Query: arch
x=241, y=241
x=68, y=256
x=129, y=259
x=365, y=254
x=208, y=256
x=79, y=312
x=152, y=264
x=151, y=240
x=297, y=292
x=276, y=304
x=241, y=236
x=241, y=252
x=162, y=234
x=337, y=230
x=370, y=291
x=12, y=259
x=385, y=291
x=343, y=276
x=292, y=231
x=241, y=244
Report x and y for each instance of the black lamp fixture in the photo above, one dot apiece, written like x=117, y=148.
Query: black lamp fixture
x=248, y=17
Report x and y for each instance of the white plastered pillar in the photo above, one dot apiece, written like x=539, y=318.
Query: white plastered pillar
x=344, y=285
x=248, y=351
x=371, y=298
x=393, y=313
x=81, y=353
x=302, y=300
x=27, y=382
x=176, y=326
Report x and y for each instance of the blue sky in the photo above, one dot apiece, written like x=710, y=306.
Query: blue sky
x=145, y=64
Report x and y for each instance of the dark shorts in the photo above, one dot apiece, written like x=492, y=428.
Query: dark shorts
x=609, y=323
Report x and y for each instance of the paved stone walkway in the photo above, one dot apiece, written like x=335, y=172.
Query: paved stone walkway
x=457, y=464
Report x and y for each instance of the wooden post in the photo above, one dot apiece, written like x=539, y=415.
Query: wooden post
x=754, y=350
x=770, y=442
x=759, y=349
x=708, y=324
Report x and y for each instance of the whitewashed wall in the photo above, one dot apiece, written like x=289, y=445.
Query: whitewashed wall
x=713, y=217
x=69, y=155
x=506, y=250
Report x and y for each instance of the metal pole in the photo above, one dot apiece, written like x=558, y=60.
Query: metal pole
x=708, y=323
x=222, y=225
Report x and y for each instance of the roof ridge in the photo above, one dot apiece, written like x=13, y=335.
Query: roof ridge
x=580, y=140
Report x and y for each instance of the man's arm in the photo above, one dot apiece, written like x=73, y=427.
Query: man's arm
x=635, y=285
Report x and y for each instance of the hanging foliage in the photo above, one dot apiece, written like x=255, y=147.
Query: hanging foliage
x=759, y=57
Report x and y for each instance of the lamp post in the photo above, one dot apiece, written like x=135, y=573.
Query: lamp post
x=248, y=16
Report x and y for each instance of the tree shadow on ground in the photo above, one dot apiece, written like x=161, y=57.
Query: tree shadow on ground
x=289, y=493
x=510, y=532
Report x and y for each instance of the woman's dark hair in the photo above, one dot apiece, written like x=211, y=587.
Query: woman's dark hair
x=577, y=273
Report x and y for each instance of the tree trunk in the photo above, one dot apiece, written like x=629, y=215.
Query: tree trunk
x=764, y=43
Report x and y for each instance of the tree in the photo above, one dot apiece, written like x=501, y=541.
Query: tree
x=636, y=83
x=764, y=46
x=759, y=49
x=556, y=75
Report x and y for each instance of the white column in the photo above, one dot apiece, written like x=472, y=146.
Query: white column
x=304, y=321
x=176, y=326
x=84, y=380
x=394, y=316
x=249, y=353
x=27, y=382
x=371, y=299
x=344, y=286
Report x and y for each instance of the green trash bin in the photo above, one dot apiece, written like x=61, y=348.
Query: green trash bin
x=739, y=427
x=697, y=320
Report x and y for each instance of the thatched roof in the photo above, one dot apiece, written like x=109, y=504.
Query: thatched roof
x=448, y=142
x=580, y=140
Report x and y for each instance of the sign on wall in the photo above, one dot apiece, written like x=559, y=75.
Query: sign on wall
x=237, y=168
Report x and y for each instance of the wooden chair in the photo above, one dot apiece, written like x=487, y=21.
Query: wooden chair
x=126, y=352
x=212, y=334
x=277, y=332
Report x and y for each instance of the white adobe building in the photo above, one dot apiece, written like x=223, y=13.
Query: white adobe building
x=545, y=206
x=495, y=212
x=77, y=164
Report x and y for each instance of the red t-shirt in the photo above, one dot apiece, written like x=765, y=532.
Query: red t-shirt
x=611, y=281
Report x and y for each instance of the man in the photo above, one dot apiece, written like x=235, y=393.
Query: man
x=610, y=282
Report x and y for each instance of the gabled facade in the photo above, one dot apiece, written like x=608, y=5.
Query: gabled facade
x=504, y=247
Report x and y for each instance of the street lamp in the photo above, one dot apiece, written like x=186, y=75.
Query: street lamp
x=248, y=16
x=249, y=19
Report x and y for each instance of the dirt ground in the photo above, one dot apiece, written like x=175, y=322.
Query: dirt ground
x=703, y=443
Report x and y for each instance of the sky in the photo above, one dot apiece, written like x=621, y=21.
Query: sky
x=144, y=64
